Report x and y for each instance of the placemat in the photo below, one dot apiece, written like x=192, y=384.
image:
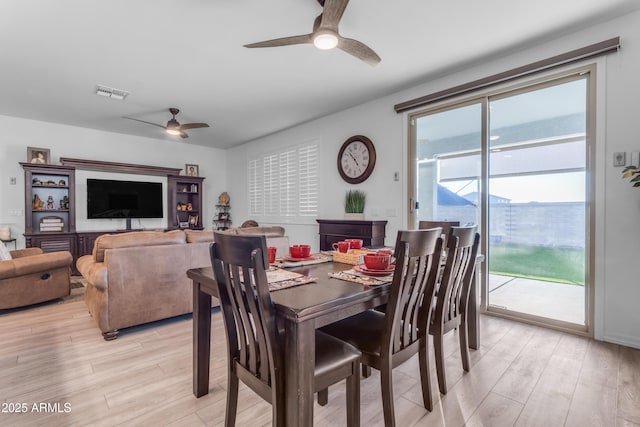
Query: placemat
x=315, y=259
x=353, y=276
x=281, y=279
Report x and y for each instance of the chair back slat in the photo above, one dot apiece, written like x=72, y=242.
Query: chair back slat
x=453, y=292
x=240, y=264
x=415, y=273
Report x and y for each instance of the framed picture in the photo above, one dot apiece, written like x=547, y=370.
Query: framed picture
x=192, y=170
x=193, y=220
x=39, y=156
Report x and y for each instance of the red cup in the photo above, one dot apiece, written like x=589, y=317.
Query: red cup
x=341, y=246
x=300, y=251
x=354, y=243
x=384, y=252
x=377, y=261
x=271, y=254
x=305, y=250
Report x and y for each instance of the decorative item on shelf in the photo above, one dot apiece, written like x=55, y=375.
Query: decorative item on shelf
x=189, y=206
x=193, y=221
x=51, y=223
x=62, y=183
x=224, y=199
x=50, y=203
x=183, y=207
x=37, y=203
x=36, y=181
x=38, y=155
x=354, y=204
x=192, y=170
x=194, y=188
x=632, y=172
x=179, y=206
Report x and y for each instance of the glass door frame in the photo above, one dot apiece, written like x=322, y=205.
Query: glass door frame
x=588, y=72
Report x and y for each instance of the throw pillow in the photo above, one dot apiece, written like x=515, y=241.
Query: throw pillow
x=5, y=255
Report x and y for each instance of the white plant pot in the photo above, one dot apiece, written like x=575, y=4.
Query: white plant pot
x=354, y=216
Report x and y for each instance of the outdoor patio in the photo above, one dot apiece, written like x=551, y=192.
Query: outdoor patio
x=548, y=299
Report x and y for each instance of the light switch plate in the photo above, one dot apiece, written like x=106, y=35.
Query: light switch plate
x=619, y=158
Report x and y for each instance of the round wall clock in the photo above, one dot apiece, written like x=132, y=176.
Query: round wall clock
x=356, y=159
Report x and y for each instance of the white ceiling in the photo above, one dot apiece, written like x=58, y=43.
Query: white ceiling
x=189, y=54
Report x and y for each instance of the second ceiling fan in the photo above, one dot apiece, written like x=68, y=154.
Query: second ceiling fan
x=174, y=127
x=325, y=34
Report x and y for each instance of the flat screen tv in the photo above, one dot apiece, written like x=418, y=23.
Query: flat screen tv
x=123, y=199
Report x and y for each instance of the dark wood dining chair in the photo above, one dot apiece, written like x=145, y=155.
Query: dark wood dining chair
x=450, y=311
x=445, y=225
x=254, y=343
x=388, y=339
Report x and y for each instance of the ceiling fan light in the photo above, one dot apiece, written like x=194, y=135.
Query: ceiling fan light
x=325, y=40
x=173, y=131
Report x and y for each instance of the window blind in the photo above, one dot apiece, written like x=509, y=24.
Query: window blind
x=284, y=184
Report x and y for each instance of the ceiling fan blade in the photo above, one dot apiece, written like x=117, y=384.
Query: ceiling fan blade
x=183, y=135
x=144, y=121
x=332, y=13
x=193, y=126
x=359, y=50
x=284, y=41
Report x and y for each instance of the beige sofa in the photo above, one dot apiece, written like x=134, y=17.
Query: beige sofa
x=140, y=277
x=32, y=276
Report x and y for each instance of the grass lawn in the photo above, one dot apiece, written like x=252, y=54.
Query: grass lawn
x=563, y=265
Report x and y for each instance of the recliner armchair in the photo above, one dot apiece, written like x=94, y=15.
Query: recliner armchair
x=32, y=276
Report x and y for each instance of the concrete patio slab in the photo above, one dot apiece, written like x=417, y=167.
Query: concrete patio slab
x=548, y=299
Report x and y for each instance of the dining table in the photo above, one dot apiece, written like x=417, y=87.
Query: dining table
x=301, y=309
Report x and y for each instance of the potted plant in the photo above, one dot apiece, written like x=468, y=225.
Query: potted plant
x=632, y=172
x=354, y=204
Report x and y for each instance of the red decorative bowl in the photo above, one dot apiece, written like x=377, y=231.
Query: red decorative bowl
x=300, y=251
x=377, y=261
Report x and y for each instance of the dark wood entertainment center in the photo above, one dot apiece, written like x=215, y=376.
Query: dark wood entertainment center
x=52, y=226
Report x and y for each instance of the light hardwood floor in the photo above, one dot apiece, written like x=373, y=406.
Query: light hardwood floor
x=521, y=376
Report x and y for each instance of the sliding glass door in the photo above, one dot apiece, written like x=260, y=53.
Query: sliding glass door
x=515, y=164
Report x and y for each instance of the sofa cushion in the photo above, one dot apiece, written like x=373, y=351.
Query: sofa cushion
x=198, y=236
x=135, y=238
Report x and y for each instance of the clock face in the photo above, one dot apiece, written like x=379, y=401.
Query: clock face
x=356, y=159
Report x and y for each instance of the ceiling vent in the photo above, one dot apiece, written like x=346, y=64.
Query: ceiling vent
x=110, y=92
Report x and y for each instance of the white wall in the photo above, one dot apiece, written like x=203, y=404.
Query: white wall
x=617, y=203
x=81, y=143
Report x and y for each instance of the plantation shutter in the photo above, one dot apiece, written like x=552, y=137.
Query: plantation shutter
x=256, y=206
x=308, y=179
x=288, y=181
x=284, y=184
